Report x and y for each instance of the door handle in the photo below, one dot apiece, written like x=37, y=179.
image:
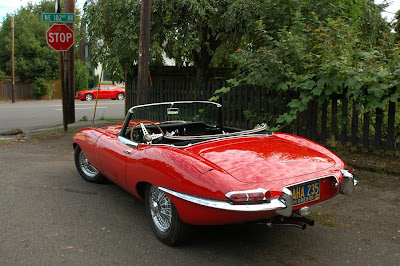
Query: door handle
x=127, y=151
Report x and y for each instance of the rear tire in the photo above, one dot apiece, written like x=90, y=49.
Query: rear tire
x=164, y=218
x=85, y=169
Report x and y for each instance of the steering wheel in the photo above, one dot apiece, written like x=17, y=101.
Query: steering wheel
x=146, y=136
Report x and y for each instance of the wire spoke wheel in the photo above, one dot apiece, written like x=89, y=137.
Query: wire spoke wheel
x=164, y=218
x=86, y=167
x=160, y=209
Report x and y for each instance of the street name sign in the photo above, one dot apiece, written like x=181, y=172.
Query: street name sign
x=58, y=17
x=60, y=37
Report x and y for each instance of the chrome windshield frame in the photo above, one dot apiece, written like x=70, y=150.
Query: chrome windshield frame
x=131, y=111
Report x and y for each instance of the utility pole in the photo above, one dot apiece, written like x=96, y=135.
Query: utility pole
x=144, y=53
x=67, y=71
x=61, y=59
x=12, y=61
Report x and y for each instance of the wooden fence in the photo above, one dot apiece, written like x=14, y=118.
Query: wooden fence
x=22, y=90
x=329, y=123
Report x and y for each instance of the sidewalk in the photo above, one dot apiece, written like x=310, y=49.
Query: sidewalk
x=18, y=134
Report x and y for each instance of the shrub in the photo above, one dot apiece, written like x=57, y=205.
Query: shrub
x=41, y=88
x=81, y=76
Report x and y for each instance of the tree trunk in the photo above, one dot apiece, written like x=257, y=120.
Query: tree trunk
x=202, y=61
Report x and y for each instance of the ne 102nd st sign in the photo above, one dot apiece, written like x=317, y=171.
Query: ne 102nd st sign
x=58, y=17
x=60, y=37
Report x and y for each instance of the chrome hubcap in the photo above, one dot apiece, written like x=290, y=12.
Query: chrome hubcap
x=160, y=209
x=86, y=167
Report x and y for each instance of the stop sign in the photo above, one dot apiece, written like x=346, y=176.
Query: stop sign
x=60, y=37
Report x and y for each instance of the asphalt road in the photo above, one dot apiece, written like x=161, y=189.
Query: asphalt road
x=26, y=115
x=51, y=216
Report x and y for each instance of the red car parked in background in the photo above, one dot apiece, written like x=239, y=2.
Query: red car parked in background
x=106, y=92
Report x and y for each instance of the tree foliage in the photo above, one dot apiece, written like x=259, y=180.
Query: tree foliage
x=33, y=57
x=34, y=60
x=322, y=51
x=396, y=26
x=198, y=32
x=81, y=76
x=112, y=34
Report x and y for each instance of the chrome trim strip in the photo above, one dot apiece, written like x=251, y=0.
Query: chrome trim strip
x=200, y=142
x=128, y=142
x=275, y=203
x=217, y=136
x=178, y=102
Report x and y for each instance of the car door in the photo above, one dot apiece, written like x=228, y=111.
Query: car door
x=103, y=92
x=112, y=92
x=114, y=157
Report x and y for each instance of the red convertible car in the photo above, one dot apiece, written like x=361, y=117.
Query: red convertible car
x=105, y=92
x=189, y=169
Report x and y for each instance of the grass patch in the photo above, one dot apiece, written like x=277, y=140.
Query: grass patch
x=4, y=141
x=55, y=132
x=323, y=218
x=113, y=120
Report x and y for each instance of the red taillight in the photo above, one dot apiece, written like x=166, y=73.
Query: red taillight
x=268, y=195
x=249, y=195
x=350, y=170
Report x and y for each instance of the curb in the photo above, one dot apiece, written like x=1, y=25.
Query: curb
x=13, y=133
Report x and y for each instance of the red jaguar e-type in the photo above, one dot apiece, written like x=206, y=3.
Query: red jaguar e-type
x=191, y=170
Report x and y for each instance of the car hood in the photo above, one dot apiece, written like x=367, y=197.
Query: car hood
x=265, y=159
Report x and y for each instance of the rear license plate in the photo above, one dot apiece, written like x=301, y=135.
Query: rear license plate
x=306, y=193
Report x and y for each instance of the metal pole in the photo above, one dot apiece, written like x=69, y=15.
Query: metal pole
x=69, y=7
x=12, y=60
x=62, y=78
x=98, y=85
x=144, y=51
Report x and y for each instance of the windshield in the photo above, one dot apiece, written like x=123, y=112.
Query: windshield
x=206, y=112
x=177, y=123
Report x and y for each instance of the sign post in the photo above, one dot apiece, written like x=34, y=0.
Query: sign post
x=60, y=37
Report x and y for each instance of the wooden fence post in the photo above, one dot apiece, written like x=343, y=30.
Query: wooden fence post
x=345, y=106
x=390, y=130
x=354, y=128
x=365, y=139
x=324, y=118
x=334, y=120
x=378, y=130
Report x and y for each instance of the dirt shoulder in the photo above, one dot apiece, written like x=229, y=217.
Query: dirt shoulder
x=373, y=210
x=370, y=162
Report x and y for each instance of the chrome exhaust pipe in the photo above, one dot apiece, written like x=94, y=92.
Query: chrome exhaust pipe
x=299, y=222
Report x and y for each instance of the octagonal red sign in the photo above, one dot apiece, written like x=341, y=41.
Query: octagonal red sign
x=60, y=37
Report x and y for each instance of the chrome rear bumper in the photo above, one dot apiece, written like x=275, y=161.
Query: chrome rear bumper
x=348, y=182
x=282, y=204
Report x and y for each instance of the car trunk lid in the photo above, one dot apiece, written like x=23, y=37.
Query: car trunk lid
x=258, y=159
